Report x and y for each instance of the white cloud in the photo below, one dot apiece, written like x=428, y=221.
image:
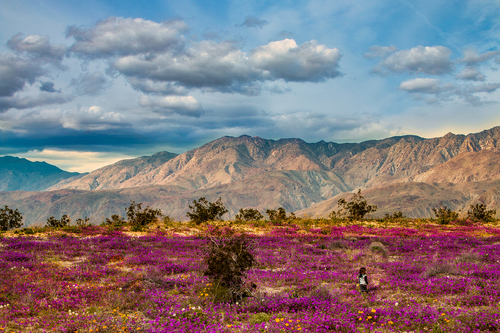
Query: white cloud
x=184, y=105
x=222, y=67
x=125, y=36
x=471, y=57
x=421, y=59
x=89, y=83
x=470, y=74
x=487, y=87
x=92, y=118
x=28, y=102
x=38, y=46
x=149, y=86
x=423, y=85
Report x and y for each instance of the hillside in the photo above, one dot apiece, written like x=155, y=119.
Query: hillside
x=406, y=173
x=20, y=174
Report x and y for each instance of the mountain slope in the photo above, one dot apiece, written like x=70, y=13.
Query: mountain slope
x=20, y=174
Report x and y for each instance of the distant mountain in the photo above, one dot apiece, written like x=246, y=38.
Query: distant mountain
x=20, y=174
x=406, y=173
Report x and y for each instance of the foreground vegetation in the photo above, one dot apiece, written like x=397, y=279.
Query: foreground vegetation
x=424, y=276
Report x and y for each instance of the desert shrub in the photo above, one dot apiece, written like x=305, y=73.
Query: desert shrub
x=228, y=258
x=249, y=214
x=10, y=219
x=204, y=211
x=444, y=214
x=478, y=212
x=52, y=222
x=140, y=218
x=116, y=220
x=394, y=216
x=338, y=244
x=356, y=209
x=83, y=222
x=469, y=257
x=279, y=215
x=377, y=247
x=439, y=268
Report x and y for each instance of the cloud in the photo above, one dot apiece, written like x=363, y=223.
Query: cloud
x=92, y=119
x=126, y=36
x=148, y=86
x=222, y=67
x=48, y=87
x=433, y=60
x=253, y=22
x=89, y=83
x=183, y=105
x=487, y=87
x=15, y=72
x=37, y=46
x=424, y=85
x=471, y=57
x=377, y=51
x=470, y=74
x=28, y=102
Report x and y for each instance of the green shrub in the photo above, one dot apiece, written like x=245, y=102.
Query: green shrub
x=444, y=214
x=83, y=222
x=10, y=219
x=138, y=217
x=259, y=318
x=115, y=221
x=478, y=212
x=279, y=215
x=52, y=222
x=249, y=214
x=356, y=209
x=204, y=211
x=394, y=216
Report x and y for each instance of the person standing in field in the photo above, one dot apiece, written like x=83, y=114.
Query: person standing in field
x=363, y=280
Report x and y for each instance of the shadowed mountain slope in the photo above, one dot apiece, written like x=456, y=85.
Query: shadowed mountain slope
x=19, y=174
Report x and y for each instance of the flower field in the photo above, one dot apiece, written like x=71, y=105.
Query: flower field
x=427, y=278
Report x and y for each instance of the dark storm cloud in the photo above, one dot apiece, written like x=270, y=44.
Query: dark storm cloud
x=28, y=102
x=126, y=36
x=253, y=22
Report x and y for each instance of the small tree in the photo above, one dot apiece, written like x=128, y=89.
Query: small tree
x=356, y=209
x=249, y=214
x=52, y=222
x=478, y=212
x=444, y=214
x=204, y=211
x=228, y=257
x=10, y=219
x=83, y=222
x=138, y=217
x=279, y=215
x=395, y=216
x=116, y=220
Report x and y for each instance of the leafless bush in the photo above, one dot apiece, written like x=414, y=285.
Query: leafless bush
x=377, y=247
x=472, y=257
x=439, y=268
x=338, y=244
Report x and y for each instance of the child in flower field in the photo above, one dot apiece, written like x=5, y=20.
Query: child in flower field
x=363, y=280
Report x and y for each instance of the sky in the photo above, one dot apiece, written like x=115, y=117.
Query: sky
x=84, y=84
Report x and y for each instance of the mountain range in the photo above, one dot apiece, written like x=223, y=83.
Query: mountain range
x=406, y=173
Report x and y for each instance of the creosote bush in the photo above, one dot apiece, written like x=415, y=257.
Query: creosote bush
x=249, y=214
x=356, y=209
x=52, y=222
x=116, y=220
x=228, y=257
x=478, y=212
x=279, y=215
x=444, y=214
x=394, y=216
x=10, y=219
x=204, y=210
x=377, y=247
x=138, y=217
x=83, y=222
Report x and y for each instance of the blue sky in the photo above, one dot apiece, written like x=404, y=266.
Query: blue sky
x=84, y=84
